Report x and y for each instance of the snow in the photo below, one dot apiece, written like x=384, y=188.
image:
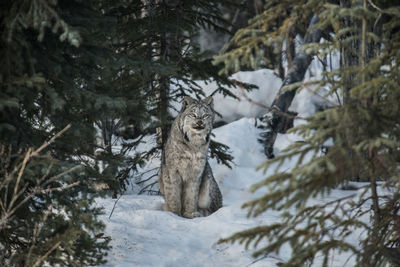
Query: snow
x=251, y=104
x=256, y=103
x=142, y=234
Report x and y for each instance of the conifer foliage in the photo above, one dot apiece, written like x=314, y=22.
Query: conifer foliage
x=112, y=71
x=44, y=218
x=160, y=62
x=360, y=134
x=47, y=74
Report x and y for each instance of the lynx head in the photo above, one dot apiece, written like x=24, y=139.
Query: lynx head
x=196, y=119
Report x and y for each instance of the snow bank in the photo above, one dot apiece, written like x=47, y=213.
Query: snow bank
x=256, y=103
x=144, y=235
x=251, y=104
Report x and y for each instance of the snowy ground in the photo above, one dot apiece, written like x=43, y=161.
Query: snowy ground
x=142, y=234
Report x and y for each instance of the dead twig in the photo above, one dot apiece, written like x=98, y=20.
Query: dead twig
x=56, y=245
x=46, y=144
x=115, y=204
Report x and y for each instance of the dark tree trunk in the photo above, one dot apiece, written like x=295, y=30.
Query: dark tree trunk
x=279, y=118
x=169, y=53
x=349, y=55
x=163, y=83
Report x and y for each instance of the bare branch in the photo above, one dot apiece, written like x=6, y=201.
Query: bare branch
x=56, y=245
x=46, y=144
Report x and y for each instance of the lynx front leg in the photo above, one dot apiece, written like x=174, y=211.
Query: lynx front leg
x=173, y=195
x=191, y=199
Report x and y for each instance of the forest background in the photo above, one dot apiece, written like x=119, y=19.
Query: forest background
x=77, y=75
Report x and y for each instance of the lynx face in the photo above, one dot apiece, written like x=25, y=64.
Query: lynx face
x=197, y=119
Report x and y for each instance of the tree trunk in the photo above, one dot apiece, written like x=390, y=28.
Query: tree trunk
x=349, y=56
x=278, y=118
x=169, y=53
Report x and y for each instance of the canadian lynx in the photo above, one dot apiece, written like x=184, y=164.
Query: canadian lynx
x=186, y=178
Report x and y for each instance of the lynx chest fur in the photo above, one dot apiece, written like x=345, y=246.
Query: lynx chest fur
x=186, y=179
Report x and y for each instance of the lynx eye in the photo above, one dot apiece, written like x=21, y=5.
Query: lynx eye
x=192, y=115
x=206, y=116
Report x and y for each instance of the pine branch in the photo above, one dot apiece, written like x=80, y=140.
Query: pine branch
x=46, y=144
x=16, y=203
x=41, y=259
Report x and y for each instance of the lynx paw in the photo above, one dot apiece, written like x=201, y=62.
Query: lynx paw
x=204, y=212
x=191, y=215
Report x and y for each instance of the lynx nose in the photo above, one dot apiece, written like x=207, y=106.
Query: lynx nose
x=199, y=125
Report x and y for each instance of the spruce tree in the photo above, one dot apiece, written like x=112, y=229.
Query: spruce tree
x=162, y=63
x=360, y=135
x=58, y=69
x=51, y=57
x=44, y=220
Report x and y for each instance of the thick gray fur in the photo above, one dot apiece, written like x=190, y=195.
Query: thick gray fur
x=186, y=178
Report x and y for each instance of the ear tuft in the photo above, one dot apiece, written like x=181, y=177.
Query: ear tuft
x=187, y=100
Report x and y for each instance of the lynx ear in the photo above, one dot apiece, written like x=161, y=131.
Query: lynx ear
x=209, y=101
x=187, y=100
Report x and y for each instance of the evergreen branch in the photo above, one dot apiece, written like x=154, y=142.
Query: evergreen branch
x=362, y=137
x=149, y=190
x=259, y=259
x=46, y=144
x=147, y=179
x=37, y=230
x=59, y=188
x=375, y=6
x=56, y=245
x=9, y=208
x=21, y=171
